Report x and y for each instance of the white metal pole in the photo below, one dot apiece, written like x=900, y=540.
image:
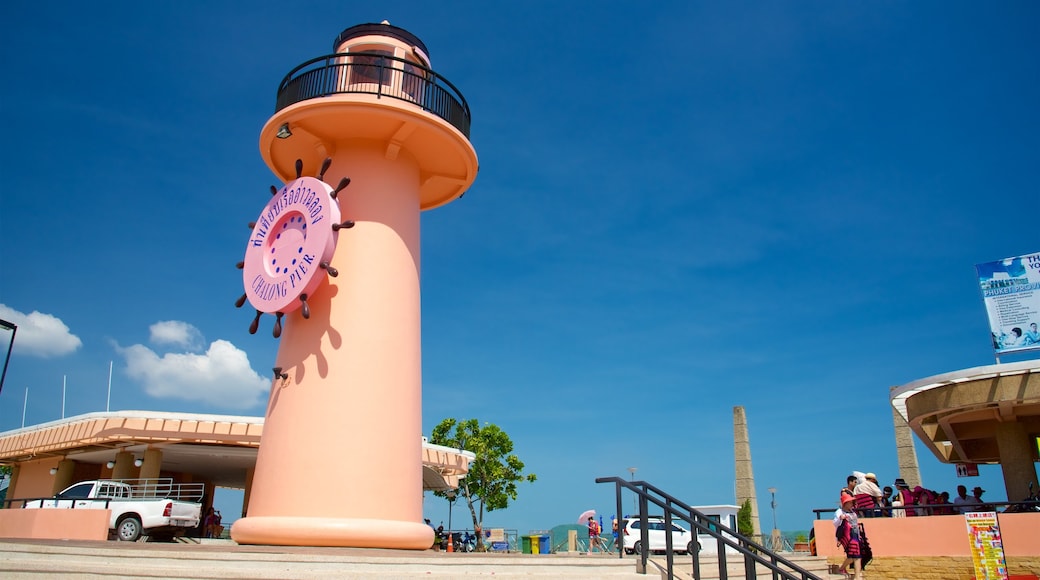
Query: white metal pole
x=63, y=377
x=25, y=403
x=108, y=402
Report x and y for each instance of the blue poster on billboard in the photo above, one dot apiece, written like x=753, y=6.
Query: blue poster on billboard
x=1011, y=290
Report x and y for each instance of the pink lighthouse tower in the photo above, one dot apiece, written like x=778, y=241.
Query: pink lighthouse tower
x=340, y=459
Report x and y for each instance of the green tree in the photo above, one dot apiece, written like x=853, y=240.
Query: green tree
x=493, y=476
x=744, y=526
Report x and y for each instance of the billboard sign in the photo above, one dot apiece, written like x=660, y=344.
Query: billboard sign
x=1011, y=291
x=987, y=547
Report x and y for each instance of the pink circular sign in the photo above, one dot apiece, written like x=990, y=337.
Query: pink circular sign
x=292, y=236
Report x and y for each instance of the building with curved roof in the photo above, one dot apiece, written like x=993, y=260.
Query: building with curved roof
x=988, y=414
x=219, y=450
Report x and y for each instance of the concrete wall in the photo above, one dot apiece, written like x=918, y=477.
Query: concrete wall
x=55, y=524
x=934, y=536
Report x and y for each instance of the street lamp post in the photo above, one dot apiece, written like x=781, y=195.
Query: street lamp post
x=14, y=330
x=776, y=533
x=632, y=475
x=772, y=494
x=451, y=504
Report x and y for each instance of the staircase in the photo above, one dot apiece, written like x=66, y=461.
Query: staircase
x=682, y=567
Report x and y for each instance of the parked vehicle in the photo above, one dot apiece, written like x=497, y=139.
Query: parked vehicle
x=683, y=542
x=463, y=541
x=156, y=507
x=1022, y=508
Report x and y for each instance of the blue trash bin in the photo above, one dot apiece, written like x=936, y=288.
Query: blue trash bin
x=543, y=545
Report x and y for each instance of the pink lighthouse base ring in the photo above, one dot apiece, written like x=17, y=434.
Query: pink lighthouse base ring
x=292, y=236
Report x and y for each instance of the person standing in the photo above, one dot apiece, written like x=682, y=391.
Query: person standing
x=886, y=501
x=976, y=500
x=962, y=504
x=208, y=523
x=943, y=507
x=906, y=497
x=923, y=497
x=867, y=496
x=846, y=526
x=594, y=539
x=897, y=504
x=436, y=540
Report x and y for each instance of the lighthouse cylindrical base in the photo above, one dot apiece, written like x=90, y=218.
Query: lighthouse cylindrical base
x=333, y=532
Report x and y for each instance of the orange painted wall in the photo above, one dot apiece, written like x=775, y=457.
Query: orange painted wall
x=35, y=479
x=933, y=536
x=55, y=524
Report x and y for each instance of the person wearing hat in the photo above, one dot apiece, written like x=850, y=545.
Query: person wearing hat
x=867, y=496
x=906, y=497
x=846, y=526
x=897, y=503
x=977, y=503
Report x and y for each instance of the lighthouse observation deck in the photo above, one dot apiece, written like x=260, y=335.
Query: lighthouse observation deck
x=375, y=73
x=376, y=89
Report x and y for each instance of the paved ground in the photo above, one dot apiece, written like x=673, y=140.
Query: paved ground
x=81, y=560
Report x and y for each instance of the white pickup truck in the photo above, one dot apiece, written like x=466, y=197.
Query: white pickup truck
x=155, y=507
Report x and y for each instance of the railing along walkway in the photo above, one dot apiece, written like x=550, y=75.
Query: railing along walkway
x=753, y=553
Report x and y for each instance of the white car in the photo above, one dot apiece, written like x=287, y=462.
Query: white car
x=683, y=542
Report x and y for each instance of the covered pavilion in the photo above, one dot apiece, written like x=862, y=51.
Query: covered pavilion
x=982, y=415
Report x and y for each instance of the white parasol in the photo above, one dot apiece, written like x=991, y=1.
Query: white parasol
x=585, y=515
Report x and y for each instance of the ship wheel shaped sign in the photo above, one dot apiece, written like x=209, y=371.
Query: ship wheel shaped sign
x=291, y=245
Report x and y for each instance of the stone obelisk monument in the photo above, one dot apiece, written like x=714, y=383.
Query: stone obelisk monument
x=742, y=460
x=905, y=453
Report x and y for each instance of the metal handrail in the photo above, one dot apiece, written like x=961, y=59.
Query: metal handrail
x=375, y=74
x=699, y=523
x=9, y=503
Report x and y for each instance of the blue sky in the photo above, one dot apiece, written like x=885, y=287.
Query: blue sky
x=680, y=208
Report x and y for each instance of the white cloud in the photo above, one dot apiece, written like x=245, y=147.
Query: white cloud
x=176, y=333
x=221, y=376
x=41, y=335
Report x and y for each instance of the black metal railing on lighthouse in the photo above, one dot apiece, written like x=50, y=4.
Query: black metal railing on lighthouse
x=375, y=74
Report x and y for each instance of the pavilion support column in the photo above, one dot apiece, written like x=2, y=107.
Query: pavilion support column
x=152, y=464
x=1016, y=459
x=124, y=468
x=905, y=453
x=12, y=485
x=63, y=479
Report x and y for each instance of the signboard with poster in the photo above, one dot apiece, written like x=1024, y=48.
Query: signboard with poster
x=967, y=470
x=987, y=549
x=497, y=537
x=1011, y=291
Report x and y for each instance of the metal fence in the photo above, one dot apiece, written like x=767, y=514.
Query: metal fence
x=375, y=74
